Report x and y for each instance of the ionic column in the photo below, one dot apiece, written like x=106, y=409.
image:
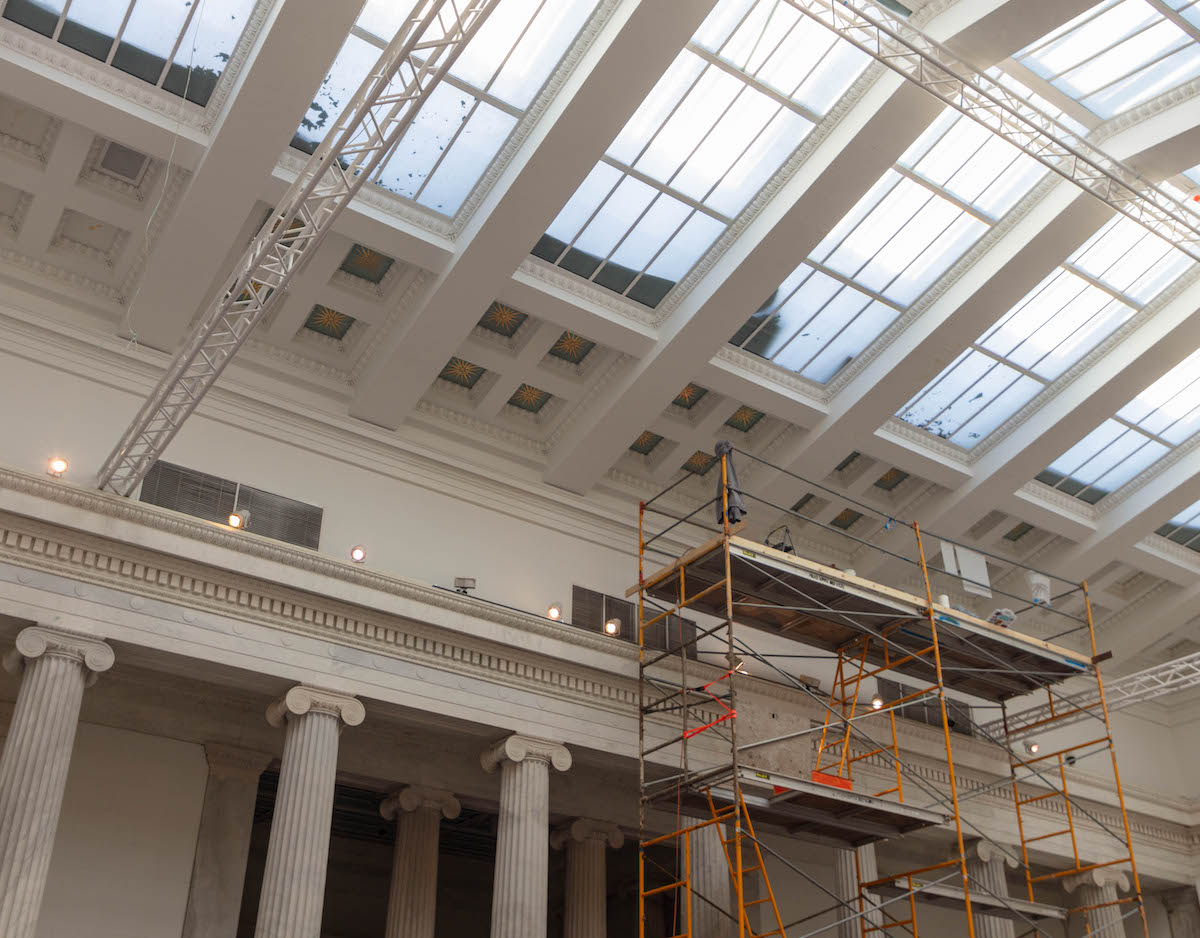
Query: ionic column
x=848, y=866
x=713, y=912
x=56, y=667
x=586, y=912
x=412, y=900
x=293, y=886
x=986, y=863
x=1183, y=912
x=519, y=892
x=223, y=841
x=1099, y=888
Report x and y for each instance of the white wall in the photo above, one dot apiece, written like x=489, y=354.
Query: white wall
x=123, y=856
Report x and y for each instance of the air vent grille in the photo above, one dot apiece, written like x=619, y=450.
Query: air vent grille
x=212, y=498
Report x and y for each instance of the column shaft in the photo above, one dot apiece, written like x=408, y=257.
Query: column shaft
x=1103, y=922
x=522, y=851
x=412, y=901
x=33, y=768
x=586, y=913
x=847, y=869
x=293, y=887
x=223, y=842
x=713, y=913
x=987, y=879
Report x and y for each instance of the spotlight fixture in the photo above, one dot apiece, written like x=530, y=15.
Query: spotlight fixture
x=464, y=583
x=1032, y=746
x=876, y=702
x=358, y=553
x=554, y=612
x=736, y=663
x=612, y=626
x=239, y=518
x=57, y=466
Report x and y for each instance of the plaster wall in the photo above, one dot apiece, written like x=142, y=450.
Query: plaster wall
x=123, y=855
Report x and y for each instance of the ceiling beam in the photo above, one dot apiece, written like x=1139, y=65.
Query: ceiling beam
x=632, y=51
x=270, y=97
x=865, y=143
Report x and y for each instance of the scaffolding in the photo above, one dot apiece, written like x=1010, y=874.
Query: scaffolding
x=739, y=587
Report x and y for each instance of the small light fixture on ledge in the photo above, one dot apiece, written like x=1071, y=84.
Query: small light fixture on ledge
x=876, y=702
x=1032, y=746
x=358, y=553
x=554, y=612
x=239, y=518
x=57, y=466
x=612, y=627
x=464, y=583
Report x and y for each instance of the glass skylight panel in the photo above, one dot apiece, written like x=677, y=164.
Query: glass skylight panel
x=1143, y=431
x=1118, y=54
x=720, y=122
x=1098, y=289
x=179, y=45
x=467, y=118
x=1184, y=528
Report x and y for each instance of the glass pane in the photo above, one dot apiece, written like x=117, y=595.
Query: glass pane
x=469, y=156
x=650, y=115
x=1019, y=393
x=39, y=15
x=91, y=26
x=615, y=217
x=150, y=35
x=587, y=198
x=206, y=47
x=855, y=337
x=653, y=231
x=347, y=73
x=539, y=51
x=430, y=133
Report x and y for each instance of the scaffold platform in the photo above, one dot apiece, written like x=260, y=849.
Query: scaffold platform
x=948, y=896
x=789, y=595
x=810, y=811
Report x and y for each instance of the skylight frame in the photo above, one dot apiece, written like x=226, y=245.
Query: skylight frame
x=1162, y=13
x=1159, y=440
x=188, y=91
x=490, y=119
x=1186, y=521
x=1072, y=267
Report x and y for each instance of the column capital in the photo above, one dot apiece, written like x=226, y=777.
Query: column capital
x=234, y=762
x=1105, y=876
x=584, y=829
x=517, y=748
x=304, y=698
x=37, y=640
x=990, y=851
x=418, y=796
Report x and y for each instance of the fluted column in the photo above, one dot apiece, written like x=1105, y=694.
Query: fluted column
x=847, y=869
x=713, y=912
x=519, y=892
x=56, y=667
x=412, y=900
x=293, y=886
x=223, y=841
x=1095, y=888
x=1183, y=912
x=986, y=863
x=586, y=912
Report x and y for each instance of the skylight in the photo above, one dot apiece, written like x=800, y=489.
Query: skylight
x=1120, y=53
x=1143, y=431
x=1099, y=288
x=1184, y=528
x=754, y=81
x=467, y=118
x=946, y=191
x=177, y=45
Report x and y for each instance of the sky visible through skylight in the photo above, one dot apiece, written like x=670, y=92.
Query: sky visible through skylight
x=1143, y=431
x=1100, y=287
x=460, y=129
x=1184, y=528
x=942, y=196
x=159, y=41
x=753, y=82
x=1120, y=53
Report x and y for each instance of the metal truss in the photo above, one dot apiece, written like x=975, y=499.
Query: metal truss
x=1165, y=678
x=361, y=138
x=905, y=50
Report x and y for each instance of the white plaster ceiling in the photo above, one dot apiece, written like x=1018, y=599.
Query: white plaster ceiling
x=140, y=255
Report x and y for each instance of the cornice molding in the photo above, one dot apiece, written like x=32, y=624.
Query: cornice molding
x=587, y=292
x=1181, y=94
x=770, y=374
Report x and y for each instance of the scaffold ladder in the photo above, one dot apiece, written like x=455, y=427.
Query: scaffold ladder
x=736, y=851
x=1057, y=712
